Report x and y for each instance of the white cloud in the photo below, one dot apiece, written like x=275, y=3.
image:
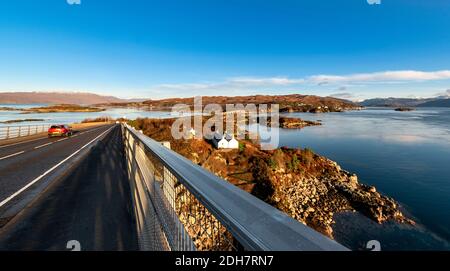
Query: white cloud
x=266, y=81
x=343, y=95
x=232, y=86
x=383, y=77
x=445, y=94
x=255, y=85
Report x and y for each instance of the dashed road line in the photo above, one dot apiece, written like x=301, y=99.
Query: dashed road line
x=11, y=155
x=43, y=145
x=21, y=142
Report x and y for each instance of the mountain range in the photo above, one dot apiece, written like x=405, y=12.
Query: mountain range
x=85, y=98
x=441, y=101
x=82, y=98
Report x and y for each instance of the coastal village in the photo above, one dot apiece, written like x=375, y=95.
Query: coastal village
x=219, y=140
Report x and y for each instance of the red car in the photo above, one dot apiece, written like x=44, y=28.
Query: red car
x=60, y=130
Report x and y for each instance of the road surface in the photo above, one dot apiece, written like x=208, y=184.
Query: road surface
x=24, y=161
x=91, y=204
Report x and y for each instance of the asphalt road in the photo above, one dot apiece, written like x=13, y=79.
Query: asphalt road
x=23, y=162
x=91, y=204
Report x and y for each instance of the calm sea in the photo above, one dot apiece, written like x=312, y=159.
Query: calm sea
x=406, y=155
x=63, y=118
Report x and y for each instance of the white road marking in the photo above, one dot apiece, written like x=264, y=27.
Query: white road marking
x=11, y=155
x=51, y=169
x=4, y=146
x=62, y=139
x=43, y=145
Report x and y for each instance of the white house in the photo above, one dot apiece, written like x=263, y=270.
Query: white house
x=225, y=141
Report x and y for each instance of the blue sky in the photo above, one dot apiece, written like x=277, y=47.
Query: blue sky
x=157, y=49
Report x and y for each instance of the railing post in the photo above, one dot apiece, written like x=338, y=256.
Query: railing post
x=20, y=131
x=7, y=132
x=29, y=130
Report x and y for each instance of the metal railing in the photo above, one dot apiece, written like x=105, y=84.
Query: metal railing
x=181, y=206
x=8, y=132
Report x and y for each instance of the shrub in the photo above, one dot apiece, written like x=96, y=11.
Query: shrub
x=99, y=119
x=307, y=157
x=295, y=161
x=241, y=147
x=272, y=164
x=294, y=164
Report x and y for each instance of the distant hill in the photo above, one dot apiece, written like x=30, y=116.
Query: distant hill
x=393, y=102
x=56, y=98
x=288, y=103
x=407, y=102
x=436, y=103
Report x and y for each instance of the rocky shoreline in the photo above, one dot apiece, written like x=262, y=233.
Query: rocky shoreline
x=307, y=108
x=5, y=108
x=308, y=187
x=312, y=192
x=296, y=123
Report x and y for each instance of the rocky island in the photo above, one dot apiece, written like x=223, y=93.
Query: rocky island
x=288, y=122
x=20, y=120
x=60, y=108
x=5, y=108
x=308, y=187
x=404, y=109
x=295, y=123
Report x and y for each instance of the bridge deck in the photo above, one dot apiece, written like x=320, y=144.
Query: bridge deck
x=91, y=205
